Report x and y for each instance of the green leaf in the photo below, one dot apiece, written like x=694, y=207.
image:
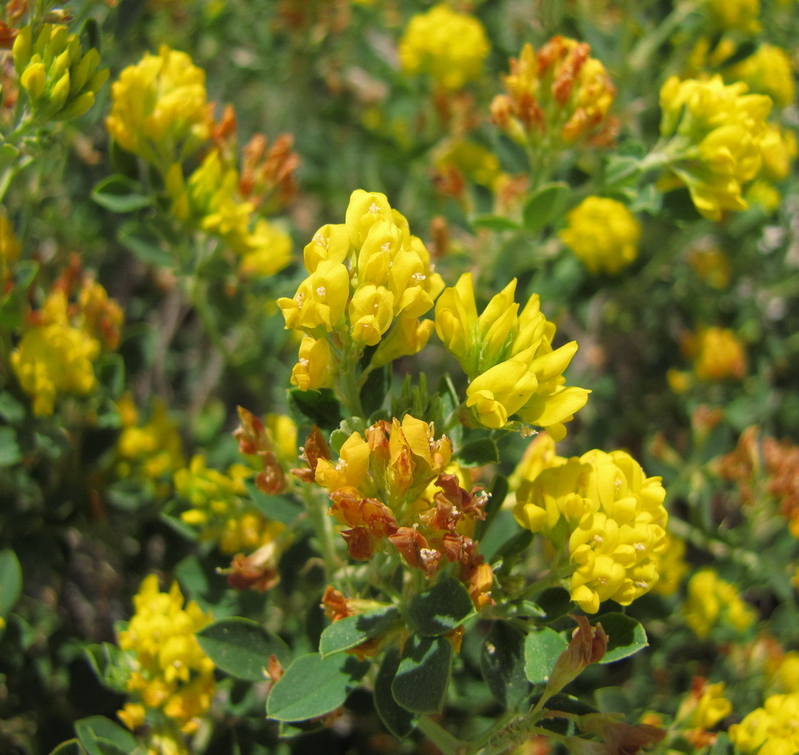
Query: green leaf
x=9, y=449
x=478, y=453
x=10, y=581
x=70, y=747
x=398, y=720
x=241, y=647
x=514, y=546
x=420, y=684
x=620, y=170
x=313, y=686
x=353, y=630
x=11, y=410
x=495, y=223
x=546, y=205
x=320, y=407
x=109, y=664
x=496, y=497
x=281, y=508
x=554, y=602
x=502, y=664
x=541, y=649
x=119, y=193
x=440, y=609
x=145, y=244
x=101, y=736
x=625, y=636
x=110, y=371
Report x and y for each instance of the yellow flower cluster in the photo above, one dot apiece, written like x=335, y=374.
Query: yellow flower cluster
x=210, y=199
x=718, y=354
x=364, y=275
x=557, y=96
x=779, y=151
x=219, y=507
x=711, y=601
x=603, y=233
x=770, y=730
x=447, y=45
x=672, y=566
x=160, y=108
x=735, y=15
x=152, y=450
x=55, y=357
x=768, y=71
x=508, y=358
x=715, y=135
x=169, y=670
x=60, y=79
x=711, y=707
x=611, y=517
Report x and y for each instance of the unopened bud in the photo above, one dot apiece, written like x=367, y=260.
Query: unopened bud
x=59, y=66
x=588, y=645
x=22, y=49
x=34, y=80
x=84, y=70
x=78, y=107
x=59, y=93
x=43, y=39
x=98, y=79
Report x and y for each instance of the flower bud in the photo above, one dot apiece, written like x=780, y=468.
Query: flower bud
x=59, y=93
x=22, y=49
x=84, y=70
x=34, y=80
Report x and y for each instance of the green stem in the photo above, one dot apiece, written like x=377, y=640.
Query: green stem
x=323, y=525
x=347, y=382
x=441, y=738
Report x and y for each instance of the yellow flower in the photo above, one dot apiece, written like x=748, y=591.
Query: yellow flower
x=152, y=450
x=509, y=358
x=711, y=601
x=711, y=708
x=768, y=71
x=770, y=730
x=603, y=233
x=220, y=510
x=54, y=358
x=169, y=670
x=715, y=134
x=779, y=151
x=718, y=354
x=160, y=108
x=555, y=97
x=312, y=370
x=320, y=300
x=738, y=15
x=763, y=194
x=671, y=567
x=611, y=517
x=408, y=336
x=447, y=45
x=270, y=251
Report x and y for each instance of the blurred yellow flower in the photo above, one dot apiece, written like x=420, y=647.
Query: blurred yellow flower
x=718, y=354
x=160, y=108
x=768, y=71
x=448, y=46
x=603, y=233
x=738, y=15
x=770, y=730
x=714, y=135
x=712, y=601
x=672, y=566
x=169, y=670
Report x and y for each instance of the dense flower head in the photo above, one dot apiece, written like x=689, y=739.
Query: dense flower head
x=718, y=354
x=160, y=108
x=715, y=134
x=153, y=449
x=54, y=356
x=169, y=670
x=768, y=71
x=508, y=358
x=365, y=275
x=770, y=730
x=448, y=46
x=559, y=94
x=712, y=601
x=608, y=513
x=603, y=233
x=60, y=79
x=395, y=485
x=219, y=507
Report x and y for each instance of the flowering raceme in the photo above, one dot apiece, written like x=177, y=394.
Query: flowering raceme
x=610, y=516
x=557, y=96
x=603, y=233
x=447, y=45
x=169, y=670
x=508, y=358
x=160, y=108
x=364, y=275
x=714, y=134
